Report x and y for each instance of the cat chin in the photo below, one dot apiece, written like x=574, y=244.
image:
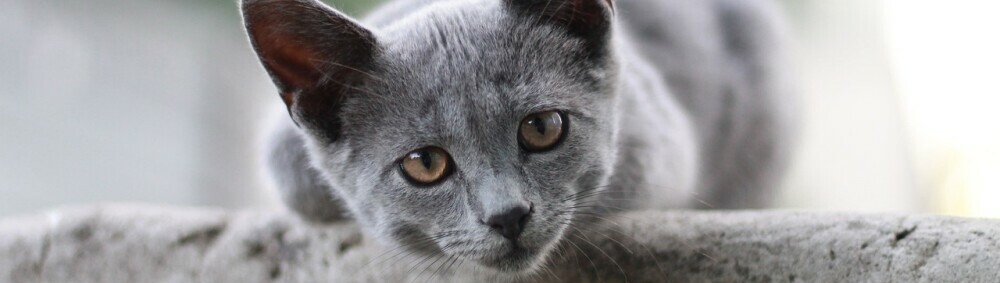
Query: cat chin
x=517, y=260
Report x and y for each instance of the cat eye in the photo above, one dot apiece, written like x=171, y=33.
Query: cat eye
x=426, y=166
x=542, y=131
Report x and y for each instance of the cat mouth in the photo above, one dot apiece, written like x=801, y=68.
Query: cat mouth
x=519, y=256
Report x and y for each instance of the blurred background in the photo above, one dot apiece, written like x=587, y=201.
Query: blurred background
x=163, y=102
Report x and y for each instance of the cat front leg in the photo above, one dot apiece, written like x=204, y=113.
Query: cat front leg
x=301, y=187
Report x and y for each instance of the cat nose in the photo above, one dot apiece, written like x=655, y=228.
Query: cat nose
x=511, y=222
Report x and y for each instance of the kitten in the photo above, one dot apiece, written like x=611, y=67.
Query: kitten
x=483, y=129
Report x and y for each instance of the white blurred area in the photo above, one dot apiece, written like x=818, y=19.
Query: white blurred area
x=161, y=101
x=852, y=153
x=945, y=58
x=900, y=106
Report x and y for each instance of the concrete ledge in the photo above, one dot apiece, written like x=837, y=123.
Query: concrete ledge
x=135, y=243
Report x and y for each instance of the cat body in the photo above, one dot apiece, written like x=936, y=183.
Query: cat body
x=667, y=104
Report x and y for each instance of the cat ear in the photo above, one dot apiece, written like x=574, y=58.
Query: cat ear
x=590, y=19
x=312, y=52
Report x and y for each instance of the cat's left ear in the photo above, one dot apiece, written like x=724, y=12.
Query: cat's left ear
x=315, y=55
x=589, y=19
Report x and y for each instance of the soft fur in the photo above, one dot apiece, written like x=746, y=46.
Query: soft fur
x=671, y=104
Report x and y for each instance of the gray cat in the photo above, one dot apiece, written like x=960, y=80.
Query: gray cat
x=489, y=130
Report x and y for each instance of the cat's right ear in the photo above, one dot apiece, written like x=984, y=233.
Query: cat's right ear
x=589, y=19
x=313, y=53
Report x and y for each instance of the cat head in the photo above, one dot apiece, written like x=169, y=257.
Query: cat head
x=468, y=129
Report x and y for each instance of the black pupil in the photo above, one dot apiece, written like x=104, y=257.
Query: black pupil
x=426, y=159
x=539, y=124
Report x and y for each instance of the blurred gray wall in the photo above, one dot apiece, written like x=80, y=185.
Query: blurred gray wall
x=130, y=100
x=106, y=100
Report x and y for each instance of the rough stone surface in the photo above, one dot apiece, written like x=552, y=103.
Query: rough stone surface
x=135, y=243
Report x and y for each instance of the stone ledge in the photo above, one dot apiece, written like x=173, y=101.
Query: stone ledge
x=138, y=243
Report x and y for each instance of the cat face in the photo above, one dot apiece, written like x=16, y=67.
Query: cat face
x=464, y=129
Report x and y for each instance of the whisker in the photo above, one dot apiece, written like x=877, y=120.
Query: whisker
x=585, y=240
x=422, y=240
x=586, y=192
x=605, y=236
x=549, y=272
x=601, y=217
x=592, y=191
x=644, y=248
x=451, y=260
x=598, y=205
x=597, y=273
x=415, y=279
x=422, y=243
x=423, y=259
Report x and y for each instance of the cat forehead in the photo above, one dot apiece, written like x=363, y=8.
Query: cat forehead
x=478, y=50
x=448, y=70
x=463, y=36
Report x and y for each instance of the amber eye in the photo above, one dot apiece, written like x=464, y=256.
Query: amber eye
x=542, y=131
x=426, y=166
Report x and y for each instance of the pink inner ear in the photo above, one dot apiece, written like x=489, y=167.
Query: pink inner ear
x=294, y=66
x=291, y=63
x=313, y=53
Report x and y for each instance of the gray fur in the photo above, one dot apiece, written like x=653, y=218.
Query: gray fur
x=302, y=186
x=683, y=112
